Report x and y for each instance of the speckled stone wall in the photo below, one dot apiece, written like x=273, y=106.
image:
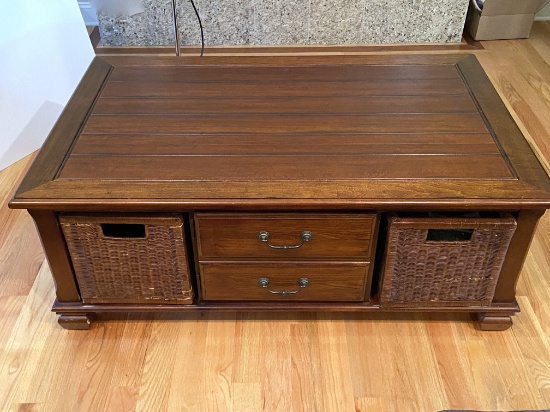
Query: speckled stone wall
x=295, y=22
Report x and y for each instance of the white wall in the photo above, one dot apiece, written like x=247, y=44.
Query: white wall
x=44, y=51
x=89, y=13
x=544, y=13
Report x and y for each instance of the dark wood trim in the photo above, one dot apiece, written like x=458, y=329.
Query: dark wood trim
x=57, y=255
x=515, y=257
x=467, y=45
x=283, y=204
x=94, y=35
x=273, y=60
x=500, y=122
x=194, y=257
x=75, y=307
x=50, y=158
x=372, y=258
x=445, y=194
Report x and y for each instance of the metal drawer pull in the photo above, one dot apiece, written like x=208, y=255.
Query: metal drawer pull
x=303, y=282
x=305, y=236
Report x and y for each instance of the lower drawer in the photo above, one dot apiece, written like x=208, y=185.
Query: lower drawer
x=283, y=281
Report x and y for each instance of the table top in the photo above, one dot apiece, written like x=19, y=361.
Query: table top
x=394, y=131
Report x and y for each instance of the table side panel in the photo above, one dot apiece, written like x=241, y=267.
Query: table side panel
x=57, y=254
x=338, y=195
x=505, y=291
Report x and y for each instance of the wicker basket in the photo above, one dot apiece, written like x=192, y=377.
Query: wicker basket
x=444, y=261
x=129, y=258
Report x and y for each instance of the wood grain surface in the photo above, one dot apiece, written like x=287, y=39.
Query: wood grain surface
x=238, y=281
x=290, y=362
x=225, y=235
x=181, y=131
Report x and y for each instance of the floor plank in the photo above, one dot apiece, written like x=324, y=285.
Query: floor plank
x=21, y=254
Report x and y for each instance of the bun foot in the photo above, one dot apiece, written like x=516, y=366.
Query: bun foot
x=494, y=321
x=75, y=321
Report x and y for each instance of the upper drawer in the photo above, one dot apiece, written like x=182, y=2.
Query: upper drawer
x=284, y=236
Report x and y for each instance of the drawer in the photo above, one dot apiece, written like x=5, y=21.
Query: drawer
x=286, y=236
x=283, y=281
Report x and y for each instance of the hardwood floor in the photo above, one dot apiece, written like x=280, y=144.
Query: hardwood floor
x=283, y=362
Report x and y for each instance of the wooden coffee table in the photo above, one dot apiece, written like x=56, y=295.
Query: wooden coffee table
x=345, y=183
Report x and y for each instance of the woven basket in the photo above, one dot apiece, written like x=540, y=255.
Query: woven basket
x=129, y=259
x=425, y=266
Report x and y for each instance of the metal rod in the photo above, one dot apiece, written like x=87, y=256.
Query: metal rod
x=176, y=31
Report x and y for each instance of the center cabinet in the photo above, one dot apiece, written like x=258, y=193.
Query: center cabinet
x=285, y=257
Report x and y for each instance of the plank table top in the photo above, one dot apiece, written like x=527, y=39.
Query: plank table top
x=391, y=132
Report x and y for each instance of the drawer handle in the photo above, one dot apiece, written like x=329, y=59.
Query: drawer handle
x=305, y=236
x=264, y=282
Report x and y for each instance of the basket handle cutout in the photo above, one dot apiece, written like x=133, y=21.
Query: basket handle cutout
x=449, y=235
x=123, y=230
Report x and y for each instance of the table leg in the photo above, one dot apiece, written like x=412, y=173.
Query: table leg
x=75, y=321
x=494, y=321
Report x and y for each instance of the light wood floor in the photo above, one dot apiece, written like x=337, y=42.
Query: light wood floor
x=286, y=362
